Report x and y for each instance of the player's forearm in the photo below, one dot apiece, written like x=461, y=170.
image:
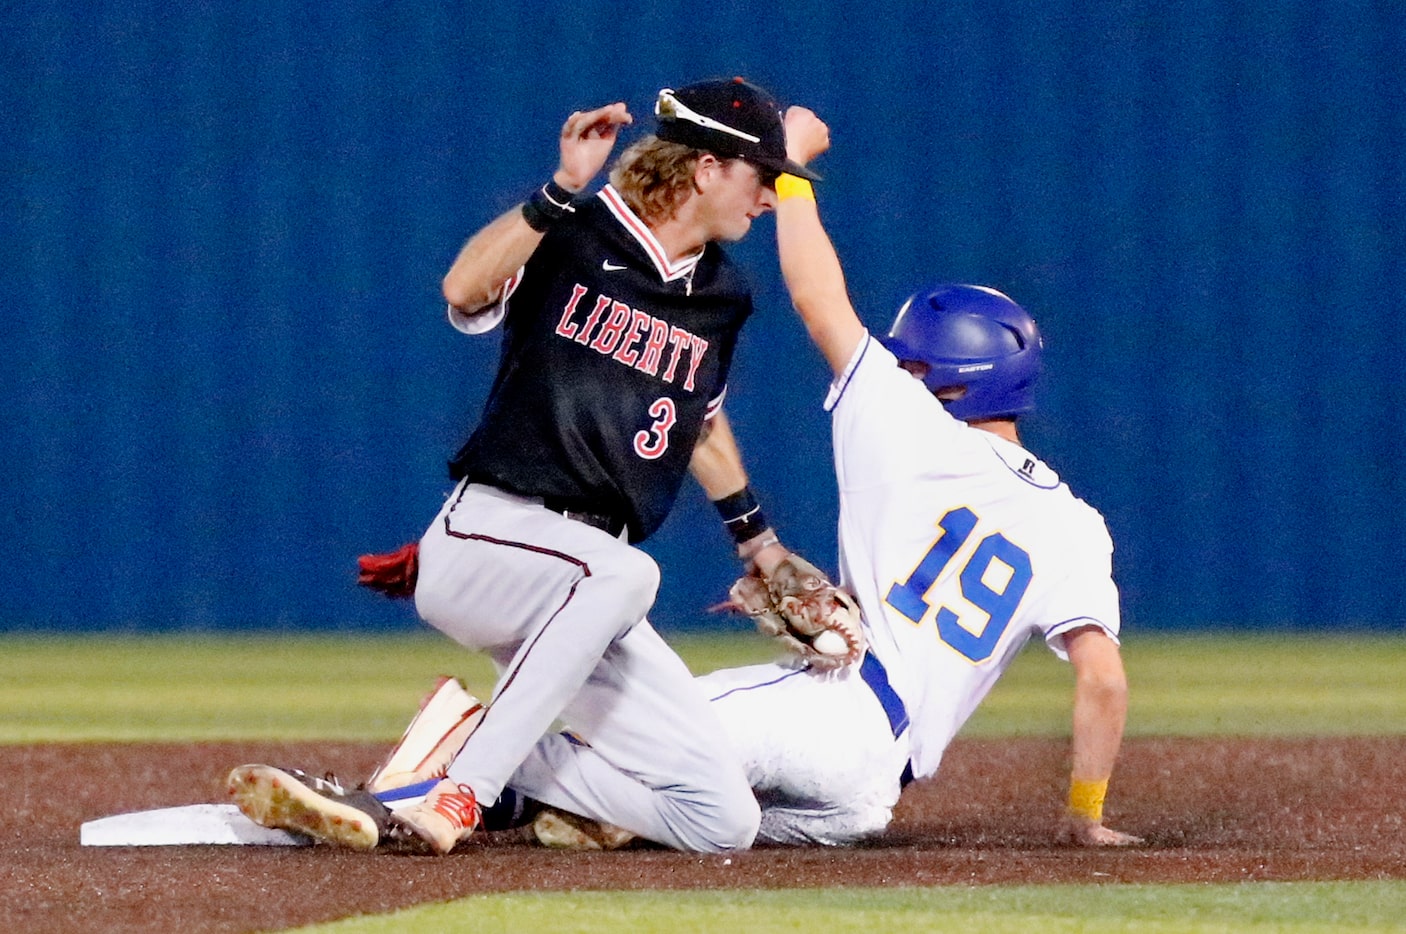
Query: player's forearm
x=809, y=264
x=717, y=466
x=1100, y=701
x=499, y=250
x=816, y=281
x=1100, y=708
x=717, y=461
x=490, y=258
x=1100, y=712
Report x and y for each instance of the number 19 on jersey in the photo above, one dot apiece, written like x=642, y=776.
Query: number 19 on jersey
x=995, y=594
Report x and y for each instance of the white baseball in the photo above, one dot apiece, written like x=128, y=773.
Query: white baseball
x=830, y=642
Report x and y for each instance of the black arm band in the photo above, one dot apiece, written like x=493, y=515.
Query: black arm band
x=548, y=204
x=741, y=515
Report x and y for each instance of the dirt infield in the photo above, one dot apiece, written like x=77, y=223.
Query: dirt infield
x=1213, y=810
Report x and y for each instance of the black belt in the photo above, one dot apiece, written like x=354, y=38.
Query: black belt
x=596, y=520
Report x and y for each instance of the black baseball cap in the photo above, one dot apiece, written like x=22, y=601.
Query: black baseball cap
x=731, y=118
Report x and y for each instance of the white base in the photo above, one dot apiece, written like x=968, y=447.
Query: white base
x=185, y=826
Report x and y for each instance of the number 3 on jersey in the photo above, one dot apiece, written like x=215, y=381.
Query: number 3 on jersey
x=654, y=441
x=910, y=596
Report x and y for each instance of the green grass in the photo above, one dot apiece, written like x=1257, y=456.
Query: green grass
x=202, y=687
x=1250, y=908
x=1209, y=685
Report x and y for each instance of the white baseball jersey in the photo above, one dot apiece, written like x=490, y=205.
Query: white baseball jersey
x=960, y=546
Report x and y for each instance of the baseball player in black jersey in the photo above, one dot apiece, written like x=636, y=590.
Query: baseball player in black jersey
x=620, y=315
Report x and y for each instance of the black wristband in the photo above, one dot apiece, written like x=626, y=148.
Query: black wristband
x=742, y=516
x=548, y=204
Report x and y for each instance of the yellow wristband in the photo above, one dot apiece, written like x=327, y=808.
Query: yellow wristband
x=791, y=186
x=1086, y=799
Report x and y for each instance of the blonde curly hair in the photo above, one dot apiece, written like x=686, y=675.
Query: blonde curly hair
x=655, y=177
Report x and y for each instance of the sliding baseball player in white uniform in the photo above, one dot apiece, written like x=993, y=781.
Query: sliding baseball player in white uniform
x=959, y=544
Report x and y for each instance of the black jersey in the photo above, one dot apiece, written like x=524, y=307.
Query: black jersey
x=611, y=359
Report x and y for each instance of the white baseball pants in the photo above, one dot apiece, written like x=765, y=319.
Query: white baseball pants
x=560, y=607
x=818, y=749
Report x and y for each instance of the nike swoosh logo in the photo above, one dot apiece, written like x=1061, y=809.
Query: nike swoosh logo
x=608, y=266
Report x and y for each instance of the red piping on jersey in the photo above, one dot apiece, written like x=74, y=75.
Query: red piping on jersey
x=641, y=232
x=715, y=405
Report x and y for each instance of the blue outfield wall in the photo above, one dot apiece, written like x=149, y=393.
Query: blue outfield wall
x=226, y=370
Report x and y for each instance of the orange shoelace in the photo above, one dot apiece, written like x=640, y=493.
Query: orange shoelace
x=461, y=807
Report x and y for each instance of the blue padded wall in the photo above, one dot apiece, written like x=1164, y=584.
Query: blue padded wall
x=226, y=369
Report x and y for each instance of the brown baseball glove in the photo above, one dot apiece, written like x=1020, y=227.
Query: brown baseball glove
x=799, y=606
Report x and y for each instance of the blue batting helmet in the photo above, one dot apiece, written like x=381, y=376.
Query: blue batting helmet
x=975, y=338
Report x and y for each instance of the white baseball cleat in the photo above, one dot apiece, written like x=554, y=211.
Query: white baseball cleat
x=447, y=717
x=448, y=814
x=562, y=830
